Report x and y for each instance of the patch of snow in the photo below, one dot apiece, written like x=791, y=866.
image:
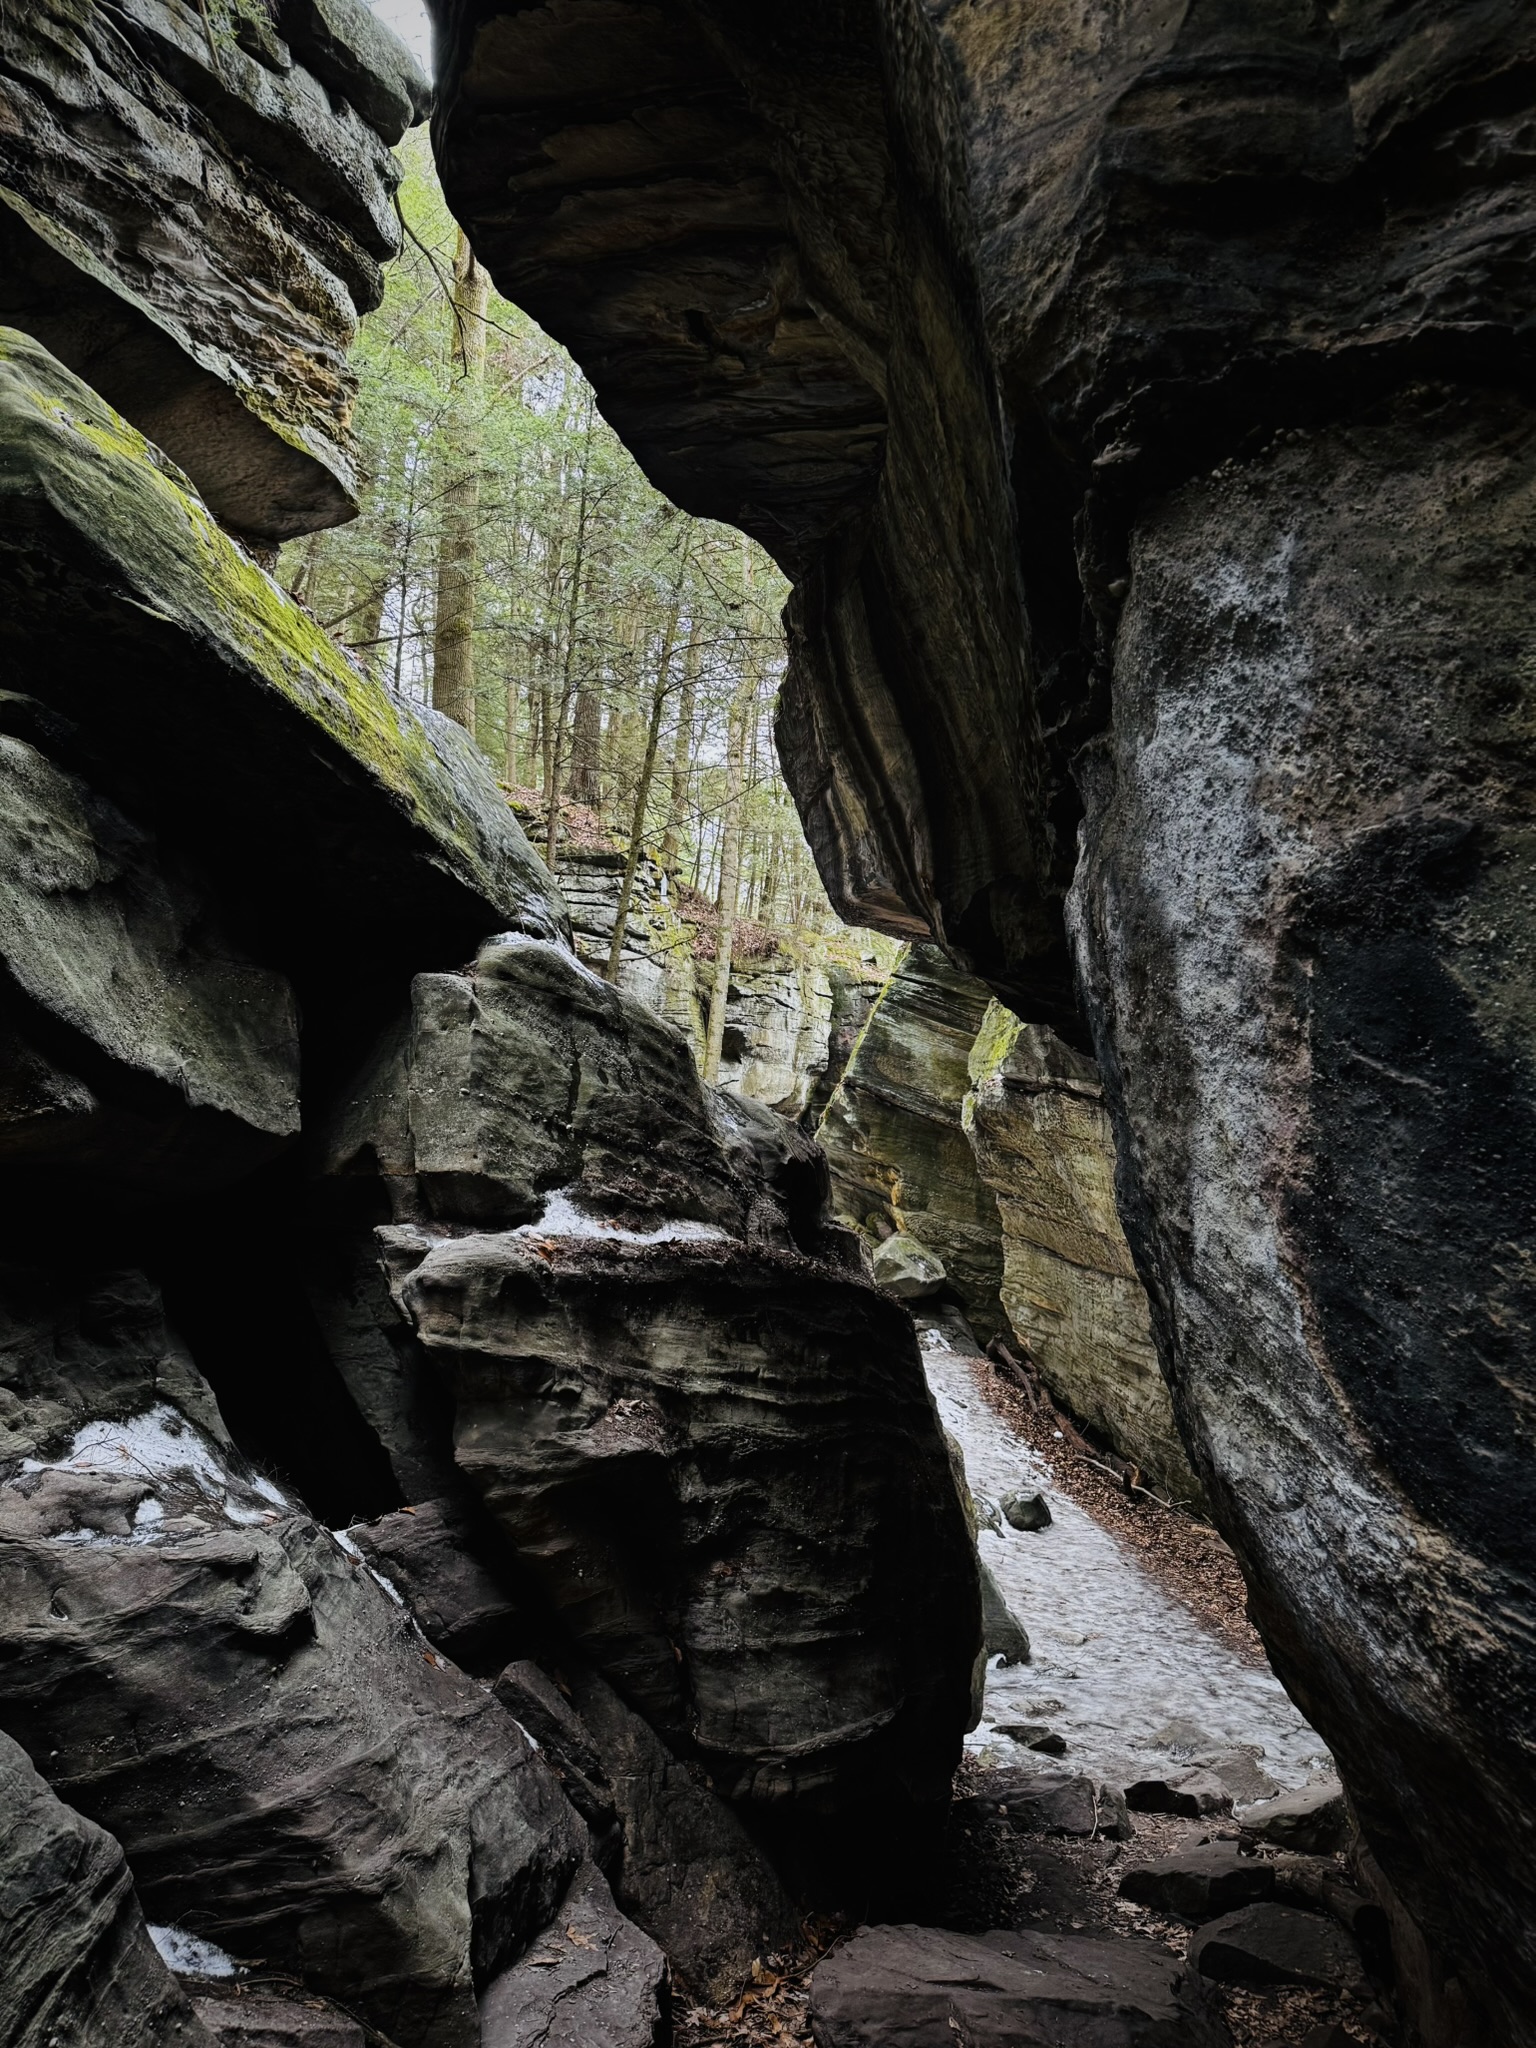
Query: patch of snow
x=1121, y=1656
x=190, y=1956
x=159, y=1444
x=162, y=1446
x=562, y=1218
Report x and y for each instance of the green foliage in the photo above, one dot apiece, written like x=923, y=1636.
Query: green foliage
x=593, y=590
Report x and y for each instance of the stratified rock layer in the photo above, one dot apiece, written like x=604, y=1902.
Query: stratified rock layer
x=894, y=1137
x=706, y=1436
x=193, y=221
x=76, y=1961
x=1041, y=1136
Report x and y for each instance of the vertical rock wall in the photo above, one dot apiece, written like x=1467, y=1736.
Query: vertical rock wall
x=1040, y=1132
x=893, y=1134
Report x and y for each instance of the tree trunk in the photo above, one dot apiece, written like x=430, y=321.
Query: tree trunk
x=453, y=645
x=642, y=796
x=730, y=871
x=585, y=784
x=682, y=752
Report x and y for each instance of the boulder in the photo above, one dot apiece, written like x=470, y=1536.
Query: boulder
x=76, y=1960
x=1270, y=1944
x=1040, y=1130
x=543, y=1711
x=1314, y=1820
x=922, y=1987
x=291, y=1770
x=899, y=1157
x=223, y=335
x=907, y=1269
x=706, y=1437
x=1053, y=1803
x=1199, y=1883
x=591, y=1980
x=169, y=1055
x=161, y=687
x=1193, y=1793
x=1026, y=1511
x=1034, y=1735
x=1003, y=1634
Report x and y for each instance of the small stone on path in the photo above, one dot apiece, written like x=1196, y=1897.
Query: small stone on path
x=1268, y=1944
x=1314, y=1820
x=1027, y=1511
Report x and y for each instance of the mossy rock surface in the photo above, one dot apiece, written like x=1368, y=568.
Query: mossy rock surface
x=348, y=834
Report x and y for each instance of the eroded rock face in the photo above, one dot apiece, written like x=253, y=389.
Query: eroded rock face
x=224, y=1685
x=76, y=1960
x=193, y=209
x=1041, y=1136
x=894, y=1137
x=703, y=1430
x=1256, y=282
x=1316, y=821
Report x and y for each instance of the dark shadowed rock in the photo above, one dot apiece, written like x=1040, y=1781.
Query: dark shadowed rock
x=1314, y=1820
x=1191, y=1793
x=1053, y=1803
x=1003, y=1633
x=428, y=1555
x=591, y=1980
x=920, y=1987
x=257, y=2019
x=215, y=1678
x=1270, y=1944
x=689, y=1872
x=76, y=1961
x=1026, y=1511
x=539, y=1706
x=1199, y=1883
x=706, y=1437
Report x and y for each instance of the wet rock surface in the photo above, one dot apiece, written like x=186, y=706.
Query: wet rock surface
x=591, y=1981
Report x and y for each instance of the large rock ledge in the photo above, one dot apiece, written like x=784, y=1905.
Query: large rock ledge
x=161, y=688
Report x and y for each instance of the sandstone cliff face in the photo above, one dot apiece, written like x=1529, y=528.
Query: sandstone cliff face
x=894, y=1137
x=1040, y=1133
x=194, y=204
x=1256, y=282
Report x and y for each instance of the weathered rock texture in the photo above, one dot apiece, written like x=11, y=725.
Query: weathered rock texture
x=194, y=203
x=76, y=1961
x=1257, y=288
x=1038, y=1127
x=893, y=1134
x=224, y=1685
x=704, y=1432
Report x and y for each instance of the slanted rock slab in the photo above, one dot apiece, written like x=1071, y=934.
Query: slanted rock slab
x=906, y=1268
x=258, y=2020
x=1055, y=1803
x=1004, y=1634
x=923, y=1987
x=1269, y=1944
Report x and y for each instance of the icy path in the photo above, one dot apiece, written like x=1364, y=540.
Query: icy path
x=1116, y=1659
